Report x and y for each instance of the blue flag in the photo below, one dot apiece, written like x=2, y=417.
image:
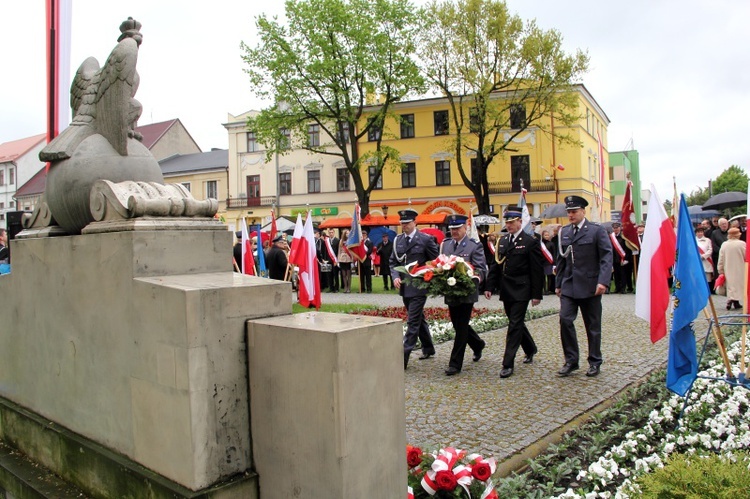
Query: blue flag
x=260, y=259
x=690, y=297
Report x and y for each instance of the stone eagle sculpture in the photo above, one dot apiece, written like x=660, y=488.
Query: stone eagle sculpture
x=99, y=171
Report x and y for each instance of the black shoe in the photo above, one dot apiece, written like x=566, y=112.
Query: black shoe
x=507, y=372
x=477, y=355
x=593, y=371
x=425, y=356
x=729, y=304
x=529, y=359
x=737, y=305
x=567, y=369
x=406, y=360
x=452, y=371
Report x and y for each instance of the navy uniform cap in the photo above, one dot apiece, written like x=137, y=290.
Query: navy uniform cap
x=513, y=213
x=407, y=216
x=456, y=221
x=238, y=234
x=575, y=203
x=616, y=224
x=279, y=237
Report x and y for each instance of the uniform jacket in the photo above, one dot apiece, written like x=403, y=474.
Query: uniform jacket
x=472, y=252
x=519, y=275
x=369, y=247
x=422, y=248
x=587, y=264
x=276, y=263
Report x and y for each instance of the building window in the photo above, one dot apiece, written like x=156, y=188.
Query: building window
x=2, y=207
x=212, y=189
x=342, y=179
x=517, y=116
x=252, y=183
x=313, y=135
x=286, y=139
x=12, y=204
x=252, y=142
x=519, y=170
x=313, y=181
x=11, y=176
x=372, y=172
x=2, y=177
x=441, y=123
x=285, y=184
x=186, y=185
x=442, y=173
x=474, y=122
x=407, y=126
x=343, y=132
x=374, y=132
x=409, y=175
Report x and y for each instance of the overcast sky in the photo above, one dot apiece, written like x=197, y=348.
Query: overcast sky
x=672, y=76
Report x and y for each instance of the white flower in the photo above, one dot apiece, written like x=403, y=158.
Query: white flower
x=451, y=281
x=447, y=266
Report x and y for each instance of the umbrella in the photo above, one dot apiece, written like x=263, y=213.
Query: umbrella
x=376, y=234
x=738, y=217
x=697, y=213
x=730, y=199
x=436, y=233
x=486, y=220
x=555, y=211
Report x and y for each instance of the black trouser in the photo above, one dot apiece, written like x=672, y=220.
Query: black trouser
x=416, y=326
x=460, y=315
x=518, y=334
x=365, y=276
x=334, y=278
x=591, y=312
x=619, y=275
x=386, y=277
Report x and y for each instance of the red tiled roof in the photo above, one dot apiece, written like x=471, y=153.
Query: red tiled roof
x=34, y=186
x=153, y=132
x=9, y=151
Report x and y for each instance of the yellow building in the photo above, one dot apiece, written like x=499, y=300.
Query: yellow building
x=430, y=181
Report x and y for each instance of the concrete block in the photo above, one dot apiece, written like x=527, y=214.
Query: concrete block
x=327, y=404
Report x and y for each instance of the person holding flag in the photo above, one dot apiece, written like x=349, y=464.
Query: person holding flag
x=519, y=277
x=584, y=271
x=413, y=246
x=621, y=260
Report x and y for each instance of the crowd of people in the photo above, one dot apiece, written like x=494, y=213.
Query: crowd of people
x=578, y=262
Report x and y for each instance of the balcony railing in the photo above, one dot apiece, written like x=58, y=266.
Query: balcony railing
x=515, y=186
x=246, y=202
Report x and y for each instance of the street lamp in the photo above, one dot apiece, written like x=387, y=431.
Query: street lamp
x=385, y=210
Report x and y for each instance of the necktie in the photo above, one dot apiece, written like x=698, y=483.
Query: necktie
x=575, y=230
x=408, y=240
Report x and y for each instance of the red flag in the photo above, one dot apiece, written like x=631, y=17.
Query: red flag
x=295, y=238
x=273, y=226
x=306, y=261
x=629, y=230
x=58, y=66
x=657, y=256
x=355, y=244
x=248, y=262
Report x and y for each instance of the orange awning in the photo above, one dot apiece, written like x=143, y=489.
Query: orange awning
x=431, y=218
x=336, y=223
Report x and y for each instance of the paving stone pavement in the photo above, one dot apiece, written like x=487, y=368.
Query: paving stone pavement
x=478, y=411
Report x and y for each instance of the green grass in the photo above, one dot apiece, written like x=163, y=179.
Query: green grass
x=339, y=308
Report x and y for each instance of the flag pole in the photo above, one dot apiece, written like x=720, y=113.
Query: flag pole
x=719, y=337
x=744, y=325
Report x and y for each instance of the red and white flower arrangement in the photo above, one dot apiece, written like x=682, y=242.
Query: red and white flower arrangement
x=449, y=473
x=449, y=276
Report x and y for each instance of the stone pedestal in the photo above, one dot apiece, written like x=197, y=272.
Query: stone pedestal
x=327, y=405
x=136, y=340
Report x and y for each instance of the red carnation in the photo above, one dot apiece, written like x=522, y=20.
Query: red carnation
x=413, y=456
x=446, y=480
x=427, y=276
x=481, y=471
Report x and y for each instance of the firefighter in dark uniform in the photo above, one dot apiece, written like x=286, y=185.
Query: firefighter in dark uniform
x=460, y=309
x=519, y=277
x=584, y=271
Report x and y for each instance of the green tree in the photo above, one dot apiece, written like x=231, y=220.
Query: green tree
x=491, y=67
x=324, y=67
x=733, y=178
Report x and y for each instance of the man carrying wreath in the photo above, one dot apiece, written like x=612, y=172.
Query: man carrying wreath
x=413, y=246
x=460, y=308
